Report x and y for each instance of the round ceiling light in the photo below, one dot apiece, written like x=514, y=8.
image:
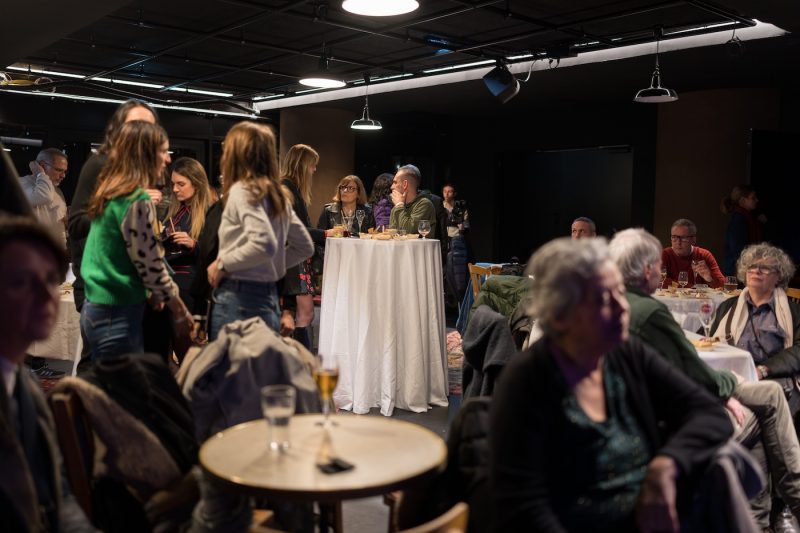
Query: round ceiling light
x=319, y=81
x=380, y=8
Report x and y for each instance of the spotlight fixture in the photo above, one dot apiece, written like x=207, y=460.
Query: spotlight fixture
x=322, y=78
x=366, y=123
x=380, y=8
x=656, y=94
x=501, y=83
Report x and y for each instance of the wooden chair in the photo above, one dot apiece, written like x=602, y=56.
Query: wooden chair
x=453, y=521
x=793, y=294
x=478, y=274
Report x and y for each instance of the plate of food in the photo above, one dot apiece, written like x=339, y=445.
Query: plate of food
x=705, y=344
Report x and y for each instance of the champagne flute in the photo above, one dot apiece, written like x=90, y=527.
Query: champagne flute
x=683, y=279
x=706, y=314
x=424, y=228
x=326, y=376
x=663, y=276
x=360, y=218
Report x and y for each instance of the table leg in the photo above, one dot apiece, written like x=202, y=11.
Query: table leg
x=330, y=517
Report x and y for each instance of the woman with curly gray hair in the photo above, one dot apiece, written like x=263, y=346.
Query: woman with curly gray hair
x=762, y=320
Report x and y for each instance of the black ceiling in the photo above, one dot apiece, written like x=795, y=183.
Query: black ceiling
x=253, y=48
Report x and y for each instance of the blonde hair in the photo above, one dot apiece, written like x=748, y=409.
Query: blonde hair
x=200, y=200
x=133, y=162
x=249, y=155
x=362, y=194
x=296, y=168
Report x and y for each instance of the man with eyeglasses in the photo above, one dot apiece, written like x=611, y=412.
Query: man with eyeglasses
x=41, y=188
x=683, y=256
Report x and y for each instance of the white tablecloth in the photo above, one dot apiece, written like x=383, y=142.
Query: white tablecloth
x=685, y=308
x=65, y=340
x=723, y=356
x=383, y=319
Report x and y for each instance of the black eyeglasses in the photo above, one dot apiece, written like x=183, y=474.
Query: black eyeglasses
x=348, y=188
x=763, y=269
x=677, y=238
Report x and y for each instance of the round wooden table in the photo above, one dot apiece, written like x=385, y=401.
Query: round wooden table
x=388, y=454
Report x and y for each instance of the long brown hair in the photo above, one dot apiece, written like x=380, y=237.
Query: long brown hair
x=118, y=119
x=296, y=168
x=250, y=155
x=361, y=193
x=730, y=201
x=133, y=161
x=192, y=170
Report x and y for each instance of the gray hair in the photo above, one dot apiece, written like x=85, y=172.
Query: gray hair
x=633, y=249
x=561, y=270
x=685, y=222
x=588, y=221
x=756, y=252
x=50, y=154
x=413, y=172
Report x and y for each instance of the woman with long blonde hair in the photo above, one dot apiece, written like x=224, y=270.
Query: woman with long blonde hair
x=122, y=264
x=191, y=197
x=298, y=168
x=259, y=236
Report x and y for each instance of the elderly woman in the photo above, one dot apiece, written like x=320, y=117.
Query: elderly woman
x=591, y=430
x=762, y=320
x=350, y=198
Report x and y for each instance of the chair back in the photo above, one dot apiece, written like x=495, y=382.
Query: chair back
x=76, y=439
x=477, y=275
x=793, y=294
x=453, y=521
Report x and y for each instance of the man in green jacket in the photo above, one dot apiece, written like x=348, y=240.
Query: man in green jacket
x=409, y=207
x=759, y=411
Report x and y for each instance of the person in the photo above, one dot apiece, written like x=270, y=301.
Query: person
x=297, y=170
x=409, y=207
x=744, y=226
x=191, y=197
x=458, y=251
x=379, y=199
x=34, y=495
x=590, y=430
x=759, y=411
x=762, y=320
x=123, y=266
x=583, y=227
x=41, y=189
x=259, y=235
x=684, y=256
x=350, y=198
x=457, y=212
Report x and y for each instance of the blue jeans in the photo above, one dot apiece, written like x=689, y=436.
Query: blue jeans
x=239, y=299
x=112, y=330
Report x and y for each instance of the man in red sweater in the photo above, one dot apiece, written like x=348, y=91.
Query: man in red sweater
x=684, y=256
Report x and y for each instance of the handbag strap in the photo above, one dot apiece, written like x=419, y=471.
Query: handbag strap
x=728, y=336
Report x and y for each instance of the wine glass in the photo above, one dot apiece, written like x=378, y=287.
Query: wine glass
x=347, y=221
x=424, y=228
x=326, y=376
x=706, y=314
x=360, y=218
x=663, y=275
x=683, y=279
x=731, y=284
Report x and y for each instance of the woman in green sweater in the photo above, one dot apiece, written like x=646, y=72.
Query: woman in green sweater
x=123, y=265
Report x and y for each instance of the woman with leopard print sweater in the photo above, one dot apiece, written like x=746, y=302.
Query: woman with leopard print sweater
x=123, y=265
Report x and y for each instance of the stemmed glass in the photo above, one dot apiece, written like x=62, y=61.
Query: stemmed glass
x=424, y=228
x=706, y=314
x=663, y=276
x=326, y=376
x=360, y=218
x=683, y=279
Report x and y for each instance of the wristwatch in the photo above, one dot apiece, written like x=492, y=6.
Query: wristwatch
x=763, y=371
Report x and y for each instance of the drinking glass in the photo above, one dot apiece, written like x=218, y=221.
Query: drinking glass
x=731, y=284
x=326, y=376
x=683, y=279
x=424, y=228
x=348, y=224
x=663, y=276
x=706, y=314
x=360, y=218
x=278, y=404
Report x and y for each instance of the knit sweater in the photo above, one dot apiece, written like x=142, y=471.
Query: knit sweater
x=407, y=216
x=122, y=259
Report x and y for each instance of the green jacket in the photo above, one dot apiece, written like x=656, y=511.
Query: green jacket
x=408, y=216
x=653, y=323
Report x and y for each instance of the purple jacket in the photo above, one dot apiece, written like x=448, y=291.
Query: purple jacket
x=381, y=210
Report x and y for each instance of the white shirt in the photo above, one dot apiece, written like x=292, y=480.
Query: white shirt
x=47, y=204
